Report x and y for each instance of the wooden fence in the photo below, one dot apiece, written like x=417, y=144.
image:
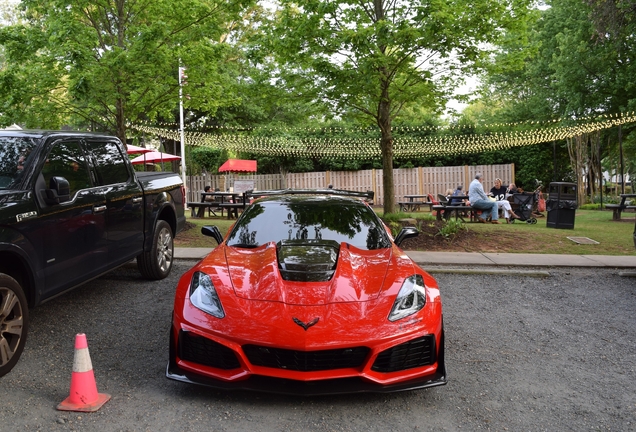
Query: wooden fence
x=407, y=181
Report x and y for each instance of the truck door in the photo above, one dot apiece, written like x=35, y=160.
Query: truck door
x=72, y=229
x=124, y=199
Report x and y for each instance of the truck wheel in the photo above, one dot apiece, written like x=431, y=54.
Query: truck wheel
x=14, y=322
x=157, y=263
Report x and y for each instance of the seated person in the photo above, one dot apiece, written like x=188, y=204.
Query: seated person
x=512, y=189
x=479, y=200
x=458, y=201
x=500, y=193
x=208, y=198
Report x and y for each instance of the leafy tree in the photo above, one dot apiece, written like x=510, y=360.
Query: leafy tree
x=576, y=60
x=102, y=63
x=377, y=57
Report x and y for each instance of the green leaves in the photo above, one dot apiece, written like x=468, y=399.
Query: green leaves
x=109, y=63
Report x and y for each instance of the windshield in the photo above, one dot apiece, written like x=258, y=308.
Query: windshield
x=14, y=158
x=314, y=218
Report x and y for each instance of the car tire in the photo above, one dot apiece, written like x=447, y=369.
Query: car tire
x=157, y=263
x=14, y=322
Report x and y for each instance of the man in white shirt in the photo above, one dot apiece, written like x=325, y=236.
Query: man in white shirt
x=479, y=200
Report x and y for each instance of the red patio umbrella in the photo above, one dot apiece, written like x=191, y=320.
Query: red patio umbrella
x=238, y=166
x=154, y=157
x=133, y=149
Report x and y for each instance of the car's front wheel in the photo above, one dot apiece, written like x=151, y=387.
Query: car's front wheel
x=157, y=263
x=14, y=322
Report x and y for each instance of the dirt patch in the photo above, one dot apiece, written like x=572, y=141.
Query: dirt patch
x=467, y=240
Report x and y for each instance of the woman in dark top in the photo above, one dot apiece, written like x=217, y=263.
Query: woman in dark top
x=499, y=193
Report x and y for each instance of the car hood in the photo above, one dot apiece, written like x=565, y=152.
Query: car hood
x=359, y=276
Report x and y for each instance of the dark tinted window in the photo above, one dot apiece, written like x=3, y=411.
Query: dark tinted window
x=111, y=165
x=66, y=159
x=302, y=218
x=14, y=158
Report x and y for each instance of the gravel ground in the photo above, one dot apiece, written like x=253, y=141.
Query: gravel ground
x=523, y=353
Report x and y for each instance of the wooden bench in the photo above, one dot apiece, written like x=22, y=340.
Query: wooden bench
x=448, y=210
x=617, y=209
x=232, y=208
x=410, y=206
x=197, y=210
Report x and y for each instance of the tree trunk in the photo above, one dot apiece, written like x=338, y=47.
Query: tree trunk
x=386, y=144
x=120, y=118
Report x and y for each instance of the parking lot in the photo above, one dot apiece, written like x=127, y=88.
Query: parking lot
x=523, y=353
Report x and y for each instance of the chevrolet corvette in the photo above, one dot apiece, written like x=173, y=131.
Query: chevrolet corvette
x=307, y=294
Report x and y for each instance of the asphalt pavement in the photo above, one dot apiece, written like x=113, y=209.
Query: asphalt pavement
x=489, y=260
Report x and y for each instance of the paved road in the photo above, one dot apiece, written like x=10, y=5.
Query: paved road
x=524, y=353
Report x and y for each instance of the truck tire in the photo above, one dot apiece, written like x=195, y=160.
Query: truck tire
x=157, y=263
x=14, y=322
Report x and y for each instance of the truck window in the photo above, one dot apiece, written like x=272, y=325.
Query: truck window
x=66, y=159
x=14, y=158
x=110, y=163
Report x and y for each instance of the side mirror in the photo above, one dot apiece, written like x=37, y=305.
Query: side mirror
x=406, y=233
x=212, y=231
x=58, y=192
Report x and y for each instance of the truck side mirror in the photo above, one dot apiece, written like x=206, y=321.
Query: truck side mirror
x=58, y=192
x=212, y=231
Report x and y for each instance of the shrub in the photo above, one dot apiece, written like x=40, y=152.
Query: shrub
x=590, y=206
x=450, y=228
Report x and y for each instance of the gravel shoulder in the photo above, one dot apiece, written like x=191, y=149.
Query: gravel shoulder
x=523, y=353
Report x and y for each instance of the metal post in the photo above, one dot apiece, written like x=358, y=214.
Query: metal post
x=554, y=162
x=183, y=159
x=620, y=147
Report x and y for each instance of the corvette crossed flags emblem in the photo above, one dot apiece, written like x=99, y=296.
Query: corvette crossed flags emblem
x=307, y=325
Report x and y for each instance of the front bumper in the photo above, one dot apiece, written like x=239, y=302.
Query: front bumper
x=327, y=386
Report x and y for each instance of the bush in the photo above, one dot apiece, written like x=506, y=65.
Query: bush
x=590, y=206
x=450, y=228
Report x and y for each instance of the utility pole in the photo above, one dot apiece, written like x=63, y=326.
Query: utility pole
x=182, y=77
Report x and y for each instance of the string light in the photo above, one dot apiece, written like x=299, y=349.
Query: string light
x=333, y=142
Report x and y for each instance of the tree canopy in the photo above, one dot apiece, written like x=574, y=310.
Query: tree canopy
x=104, y=63
x=373, y=58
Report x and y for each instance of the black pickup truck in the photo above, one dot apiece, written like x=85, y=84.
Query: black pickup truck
x=71, y=209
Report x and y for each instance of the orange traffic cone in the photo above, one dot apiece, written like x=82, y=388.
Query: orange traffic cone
x=84, y=396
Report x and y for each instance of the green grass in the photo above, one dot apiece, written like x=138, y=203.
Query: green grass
x=614, y=237
x=193, y=237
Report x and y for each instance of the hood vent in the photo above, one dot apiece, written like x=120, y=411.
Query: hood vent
x=307, y=260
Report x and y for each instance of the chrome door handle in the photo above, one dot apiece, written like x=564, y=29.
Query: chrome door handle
x=137, y=200
x=99, y=209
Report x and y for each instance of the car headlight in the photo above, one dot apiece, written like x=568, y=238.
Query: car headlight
x=203, y=295
x=410, y=299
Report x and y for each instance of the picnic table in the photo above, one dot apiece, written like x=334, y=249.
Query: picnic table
x=446, y=210
x=618, y=208
x=238, y=202
x=198, y=209
x=414, y=202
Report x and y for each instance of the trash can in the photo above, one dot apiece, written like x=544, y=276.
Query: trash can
x=561, y=205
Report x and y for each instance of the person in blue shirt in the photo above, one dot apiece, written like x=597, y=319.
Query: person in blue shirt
x=458, y=192
x=479, y=200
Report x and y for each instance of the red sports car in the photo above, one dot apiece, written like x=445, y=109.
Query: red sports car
x=308, y=294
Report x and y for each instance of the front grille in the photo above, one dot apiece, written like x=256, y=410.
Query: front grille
x=415, y=353
x=305, y=361
x=197, y=349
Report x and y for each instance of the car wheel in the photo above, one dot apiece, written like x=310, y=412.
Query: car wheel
x=14, y=322
x=157, y=263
